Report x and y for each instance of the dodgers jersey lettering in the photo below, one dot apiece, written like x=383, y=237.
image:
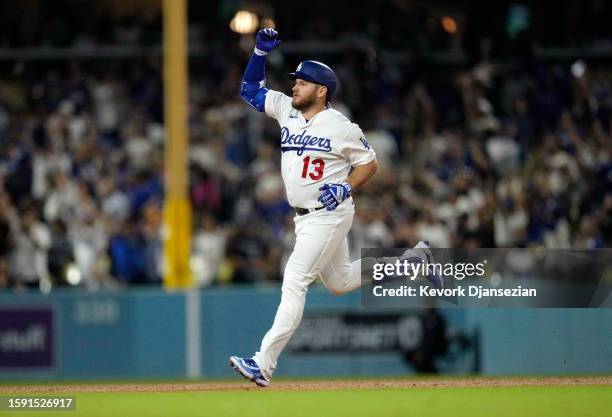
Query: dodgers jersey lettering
x=315, y=152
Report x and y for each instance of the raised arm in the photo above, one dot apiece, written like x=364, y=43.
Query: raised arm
x=253, y=89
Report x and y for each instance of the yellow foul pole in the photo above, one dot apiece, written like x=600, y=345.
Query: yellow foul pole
x=177, y=210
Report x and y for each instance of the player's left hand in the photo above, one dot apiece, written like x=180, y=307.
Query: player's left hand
x=267, y=40
x=334, y=194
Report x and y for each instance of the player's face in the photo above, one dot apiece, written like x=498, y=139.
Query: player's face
x=305, y=94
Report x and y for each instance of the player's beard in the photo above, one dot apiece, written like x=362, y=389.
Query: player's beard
x=306, y=102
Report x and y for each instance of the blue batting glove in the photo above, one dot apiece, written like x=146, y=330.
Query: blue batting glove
x=334, y=194
x=267, y=40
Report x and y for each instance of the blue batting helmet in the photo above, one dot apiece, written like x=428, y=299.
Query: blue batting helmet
x=316, y=72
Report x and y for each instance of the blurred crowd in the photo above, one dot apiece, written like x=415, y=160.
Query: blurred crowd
x=496, y=153
x=480, y=157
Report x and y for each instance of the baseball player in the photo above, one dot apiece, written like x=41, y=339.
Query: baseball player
x=324, y=158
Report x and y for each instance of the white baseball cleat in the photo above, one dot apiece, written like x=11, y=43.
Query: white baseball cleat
x=431, y=274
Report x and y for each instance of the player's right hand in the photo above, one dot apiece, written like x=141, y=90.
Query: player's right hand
x=267, y=40
x=334, y=194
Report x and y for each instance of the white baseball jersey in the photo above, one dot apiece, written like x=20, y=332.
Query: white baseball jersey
x=315, y=152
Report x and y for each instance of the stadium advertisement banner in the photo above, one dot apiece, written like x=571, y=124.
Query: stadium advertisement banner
x=421, y=338
x=27, y=337
x=477, y=278
x=335, y=332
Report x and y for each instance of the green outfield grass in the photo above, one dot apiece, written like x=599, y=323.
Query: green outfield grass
x=540, y=401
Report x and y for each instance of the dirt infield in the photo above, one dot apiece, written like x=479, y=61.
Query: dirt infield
x=321, y=385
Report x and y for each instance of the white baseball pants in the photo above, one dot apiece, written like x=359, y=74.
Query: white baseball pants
x=321, y=249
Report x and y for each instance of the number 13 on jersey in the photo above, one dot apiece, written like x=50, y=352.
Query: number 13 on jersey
x=314, y=168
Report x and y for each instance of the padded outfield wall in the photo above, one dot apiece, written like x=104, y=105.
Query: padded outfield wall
x=153, y=334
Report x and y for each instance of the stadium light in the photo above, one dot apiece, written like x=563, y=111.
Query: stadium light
x=449, y=24
x=268, y=23
x=244, y=22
